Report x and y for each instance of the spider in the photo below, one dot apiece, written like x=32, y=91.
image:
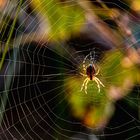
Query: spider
x=91, y=73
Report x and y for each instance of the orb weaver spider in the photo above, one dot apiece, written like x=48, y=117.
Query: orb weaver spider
x=91, y=72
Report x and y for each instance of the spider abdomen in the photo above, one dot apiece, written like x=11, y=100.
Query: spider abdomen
x=90, y=71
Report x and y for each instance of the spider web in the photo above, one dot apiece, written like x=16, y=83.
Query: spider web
x=36, y=105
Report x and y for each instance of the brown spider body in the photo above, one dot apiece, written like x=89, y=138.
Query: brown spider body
x=90, y=71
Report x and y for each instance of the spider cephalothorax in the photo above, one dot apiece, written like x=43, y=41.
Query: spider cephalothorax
x=90, y=72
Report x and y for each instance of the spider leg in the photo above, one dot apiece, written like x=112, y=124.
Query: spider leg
x=84, y=61
x=83, y=74
x=84, y=83
x=98, y=85
x=97, y=72
x=99, y=81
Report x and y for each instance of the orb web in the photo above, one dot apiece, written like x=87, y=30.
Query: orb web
x=36, y=104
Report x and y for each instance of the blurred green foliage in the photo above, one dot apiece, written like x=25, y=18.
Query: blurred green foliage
x=64, y=19
x=96, y=108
